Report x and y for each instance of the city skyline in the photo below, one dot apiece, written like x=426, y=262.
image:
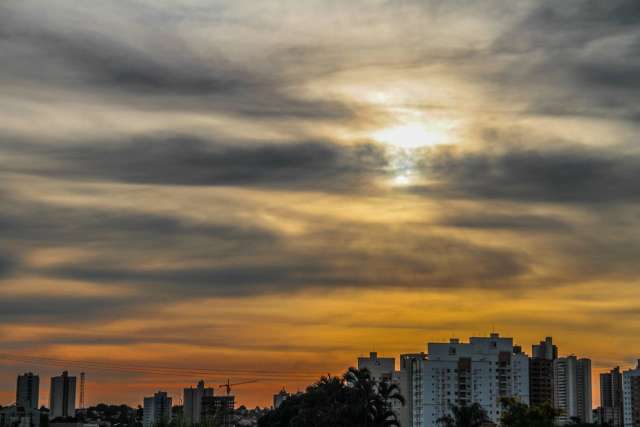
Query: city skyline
x=183, y=379
x=280, y=186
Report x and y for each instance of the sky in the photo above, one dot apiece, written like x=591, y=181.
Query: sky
x=281, y=187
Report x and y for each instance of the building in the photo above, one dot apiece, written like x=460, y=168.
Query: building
x=611, y=398
x=545, y=350
x=455, y=374
x=383, y=369
x=156, y=410
x=279, y=398
x=541, y=372
x=572, y=389
x=218, y=410
x=27, y=391
x=411, y=386
x=193, y=402
x=380, y=368
x=63, y=396
x=631, y=397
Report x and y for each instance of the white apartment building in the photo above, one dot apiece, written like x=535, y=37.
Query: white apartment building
x=379, y=367
x=572, y=388
x=383, y=368
x=631, y=397
x=455, y=373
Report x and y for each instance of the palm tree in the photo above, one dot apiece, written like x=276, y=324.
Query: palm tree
x=465, y=416
x=363, y=396
x=388, y=393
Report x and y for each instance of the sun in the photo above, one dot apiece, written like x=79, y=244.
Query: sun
x=416, y=134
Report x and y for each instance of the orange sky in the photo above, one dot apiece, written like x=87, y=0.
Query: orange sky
x=286, y=186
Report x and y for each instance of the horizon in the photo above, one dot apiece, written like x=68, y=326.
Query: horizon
x=175, y=391
x=279, y=186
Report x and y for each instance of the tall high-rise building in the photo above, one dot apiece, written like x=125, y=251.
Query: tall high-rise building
x=27, y=391
x=193, y=402
x=611, y=398
x=63, y=396
x=572, y=389
x=455, y=374
x=545, y=350
x=631, y=397
x=541, y=372
x=156, y=409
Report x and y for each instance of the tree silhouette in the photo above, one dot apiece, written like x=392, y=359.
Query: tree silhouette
x=465, y=416
x=353, y=400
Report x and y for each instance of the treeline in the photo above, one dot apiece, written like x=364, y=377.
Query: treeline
x=353, y=400
x=358, y=400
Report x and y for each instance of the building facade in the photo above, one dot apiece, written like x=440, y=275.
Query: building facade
x=27, y=391
x=380, y=368
x=218, y=410
x=156, y=410
x=193, y=402
x=62, y=396
x=572, y=389
x=541, y=372
x=611, y=398
x=631, y=397
x=455, y=374
x=545, y=350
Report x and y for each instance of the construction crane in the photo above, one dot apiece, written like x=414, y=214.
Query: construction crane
x=228, y=385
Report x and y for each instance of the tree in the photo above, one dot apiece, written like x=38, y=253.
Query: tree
x=353, y=400
x=465, y=416
x=518, y=414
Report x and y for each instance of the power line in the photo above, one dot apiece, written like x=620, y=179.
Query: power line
x=157, y=370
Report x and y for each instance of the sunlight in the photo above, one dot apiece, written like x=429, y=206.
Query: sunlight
x=416, y=134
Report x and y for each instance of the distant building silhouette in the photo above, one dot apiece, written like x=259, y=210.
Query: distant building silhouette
x=63, y=396
x=27, y=391
x=218, y=409
x=156, y=409
x=193, y=402
x=278, y=399
x=631, y=397
x=611, y=398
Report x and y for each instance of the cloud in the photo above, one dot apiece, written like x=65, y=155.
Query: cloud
x=512, y=222
x=185, y=160
x=8, y=264
x=564, y=173
x=151, y=66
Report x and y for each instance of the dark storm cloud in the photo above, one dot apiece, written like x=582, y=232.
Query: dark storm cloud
x=183, y=160
x=562, y=174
